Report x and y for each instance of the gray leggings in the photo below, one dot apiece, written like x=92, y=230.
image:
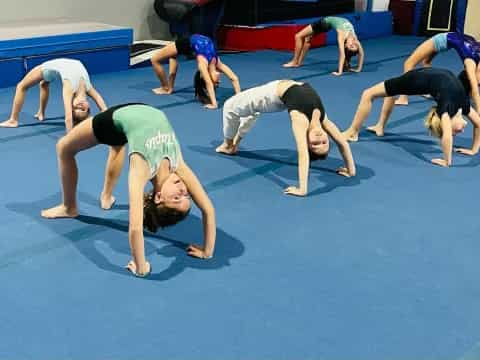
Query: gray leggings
x=241, y=111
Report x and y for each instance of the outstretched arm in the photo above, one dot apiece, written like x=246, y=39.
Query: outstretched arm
x=342, y=143
x=361, y=58
x=201, y=199
x=137, y=179
x=230, y=74
x=470, y=69
x=341, y=52
x=67, y=104
x=447, y=142
x=475, y=119
x=203, y=68
x=95, y=95
x=300, y=127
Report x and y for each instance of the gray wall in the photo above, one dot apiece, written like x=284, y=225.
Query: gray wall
x=138, y=14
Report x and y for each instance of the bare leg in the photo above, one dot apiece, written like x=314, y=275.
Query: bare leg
x=172, y=72
x=363, y=110
x=169, y=51
x=44, y=92
x=116, y=158
x=423, y=53
x=306, y=47
x=81, y=137
x=32, y=78
x=299, y=42
x=379, y=127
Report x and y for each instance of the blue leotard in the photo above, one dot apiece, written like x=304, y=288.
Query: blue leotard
x=203, y=45
x=465, y=46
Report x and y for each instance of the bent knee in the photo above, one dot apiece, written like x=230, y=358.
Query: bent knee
x=409, y=64
x=228, y=106
x=367, y=95
x=300, y=37
x=64, y=148
x=22, y=86
x=427, y=62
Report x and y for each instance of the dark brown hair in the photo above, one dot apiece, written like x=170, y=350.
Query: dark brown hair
x=78, y=119
x=157, y=215
x=348, y=58
x=201, y=88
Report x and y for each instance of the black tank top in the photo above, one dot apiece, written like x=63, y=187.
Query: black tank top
x=304, y=99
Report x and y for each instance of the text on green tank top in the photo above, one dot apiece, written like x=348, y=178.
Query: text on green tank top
x=149, y=133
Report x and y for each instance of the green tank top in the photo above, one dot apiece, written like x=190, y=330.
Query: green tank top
x=149, y=134
x=339, y=23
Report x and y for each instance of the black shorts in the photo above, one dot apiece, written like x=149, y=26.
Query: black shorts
x=105, y=130
x=320, y=26
x=183, y=46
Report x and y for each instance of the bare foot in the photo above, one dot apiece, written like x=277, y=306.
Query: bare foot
x=106, y=203
x=350, y=135
x=402, y=100
x=40, y=116
x=59, y=211
x=162, y=91
x=378, y=130
x=225, y=149
x=291, y=64
x=9, y=123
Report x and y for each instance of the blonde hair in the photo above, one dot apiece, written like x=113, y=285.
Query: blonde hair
x=433, y=123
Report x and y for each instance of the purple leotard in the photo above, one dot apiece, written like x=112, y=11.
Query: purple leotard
x=466, y=46
x=203, y=46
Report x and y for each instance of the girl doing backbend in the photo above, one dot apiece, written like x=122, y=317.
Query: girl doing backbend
x=208, y=62
x=310, y=125
x=154, y=156
x=444, y=120
x=348, y=43
x=76, y=87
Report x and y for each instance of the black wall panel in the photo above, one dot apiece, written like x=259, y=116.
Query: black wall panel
x=253, y=12
x=438, y=16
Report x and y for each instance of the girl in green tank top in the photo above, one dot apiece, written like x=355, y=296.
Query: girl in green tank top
x=155, y=156
x=348, y=43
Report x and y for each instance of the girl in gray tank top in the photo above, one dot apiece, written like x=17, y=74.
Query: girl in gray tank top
x=76, y=87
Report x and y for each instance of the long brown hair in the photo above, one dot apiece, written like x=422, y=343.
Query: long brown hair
x=348, y=57
x=201, y=88
x=158, y=215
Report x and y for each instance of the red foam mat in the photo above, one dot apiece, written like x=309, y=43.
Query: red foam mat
x=276, y=37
